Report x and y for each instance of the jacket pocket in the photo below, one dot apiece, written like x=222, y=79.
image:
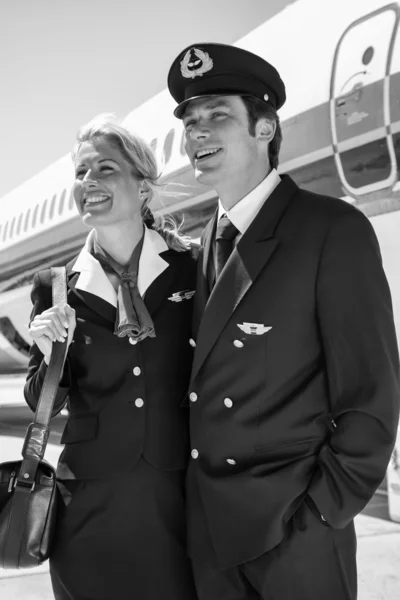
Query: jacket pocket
x=286, y=447
x=80, y=428
x=313, y=508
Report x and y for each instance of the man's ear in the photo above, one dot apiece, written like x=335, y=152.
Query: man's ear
x=265, y=129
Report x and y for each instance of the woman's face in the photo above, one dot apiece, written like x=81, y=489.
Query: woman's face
x=105, y=190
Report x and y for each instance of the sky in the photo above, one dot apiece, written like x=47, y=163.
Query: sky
x=63, y=62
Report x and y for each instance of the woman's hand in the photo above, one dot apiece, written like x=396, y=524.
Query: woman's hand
x=56, y=323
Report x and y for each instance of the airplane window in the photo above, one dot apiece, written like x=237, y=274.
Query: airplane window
x=43, y=211
x=183, y=142
x=12, y=228
x=52, y=206
x=5, y=231
x=34, y=216
x=368, y=55
x=71, y=201
x=12, y=336
x=19, y=224
x=28, y=214
x=168, y=145
x=62, y=201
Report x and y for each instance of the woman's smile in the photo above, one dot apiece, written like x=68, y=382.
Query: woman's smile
x=96, y=201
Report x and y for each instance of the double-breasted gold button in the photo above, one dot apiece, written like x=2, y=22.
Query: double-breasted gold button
x=132, y=341
x=192, y=343
x=194, y=453
x=139, y=402
x=238, y=344
x=228, y=403
x=193, y=396
x=137, y=371
x=231, y=461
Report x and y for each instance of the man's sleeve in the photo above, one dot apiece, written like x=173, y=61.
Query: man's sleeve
x=37, y=368
x=362, y=364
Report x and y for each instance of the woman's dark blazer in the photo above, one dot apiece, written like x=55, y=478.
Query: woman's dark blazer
x=124, y=400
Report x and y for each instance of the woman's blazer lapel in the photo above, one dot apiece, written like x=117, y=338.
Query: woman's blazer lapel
x=89, y=282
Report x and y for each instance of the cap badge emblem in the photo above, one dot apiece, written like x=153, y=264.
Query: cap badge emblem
x=195, y=63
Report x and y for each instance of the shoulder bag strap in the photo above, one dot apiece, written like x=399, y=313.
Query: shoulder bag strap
x=38, y=431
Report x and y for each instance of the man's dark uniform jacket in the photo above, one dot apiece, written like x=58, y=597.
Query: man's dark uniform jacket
x=294, y=393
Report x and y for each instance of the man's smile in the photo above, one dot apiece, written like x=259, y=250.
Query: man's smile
x=205, y=153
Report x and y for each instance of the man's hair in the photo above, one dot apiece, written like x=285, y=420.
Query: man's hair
x=257, y=110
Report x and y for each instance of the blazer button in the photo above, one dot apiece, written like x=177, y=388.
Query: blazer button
x=194, y=453
x=228, y=403
x=139, y=402
x=238, y=344
x=137, y=371
x=193, y=396
x=231, y=461
x=132, y=341
x=192, y=343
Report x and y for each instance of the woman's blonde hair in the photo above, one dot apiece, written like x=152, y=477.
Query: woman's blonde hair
x=144, y=167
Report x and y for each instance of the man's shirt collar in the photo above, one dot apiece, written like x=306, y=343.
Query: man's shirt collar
x=244, y=211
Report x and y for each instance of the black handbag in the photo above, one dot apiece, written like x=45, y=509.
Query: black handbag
x=28, y=491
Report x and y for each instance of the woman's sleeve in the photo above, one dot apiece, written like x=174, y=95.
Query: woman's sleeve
x=37, y=368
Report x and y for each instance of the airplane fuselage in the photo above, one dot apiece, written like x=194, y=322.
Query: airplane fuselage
x=341, y=132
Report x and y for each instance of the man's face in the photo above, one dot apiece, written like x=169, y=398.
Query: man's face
x=218, y=141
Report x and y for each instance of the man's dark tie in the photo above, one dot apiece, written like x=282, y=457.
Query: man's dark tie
x=225, y=235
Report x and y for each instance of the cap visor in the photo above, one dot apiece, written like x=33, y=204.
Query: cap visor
x=180, y=109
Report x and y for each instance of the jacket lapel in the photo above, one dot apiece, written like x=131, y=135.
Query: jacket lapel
x=88, y=281
x=247, y=260
x=151, y=261
x=160, y=287
x=95, y=303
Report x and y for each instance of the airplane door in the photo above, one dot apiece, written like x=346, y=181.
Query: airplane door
x=359, y=103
